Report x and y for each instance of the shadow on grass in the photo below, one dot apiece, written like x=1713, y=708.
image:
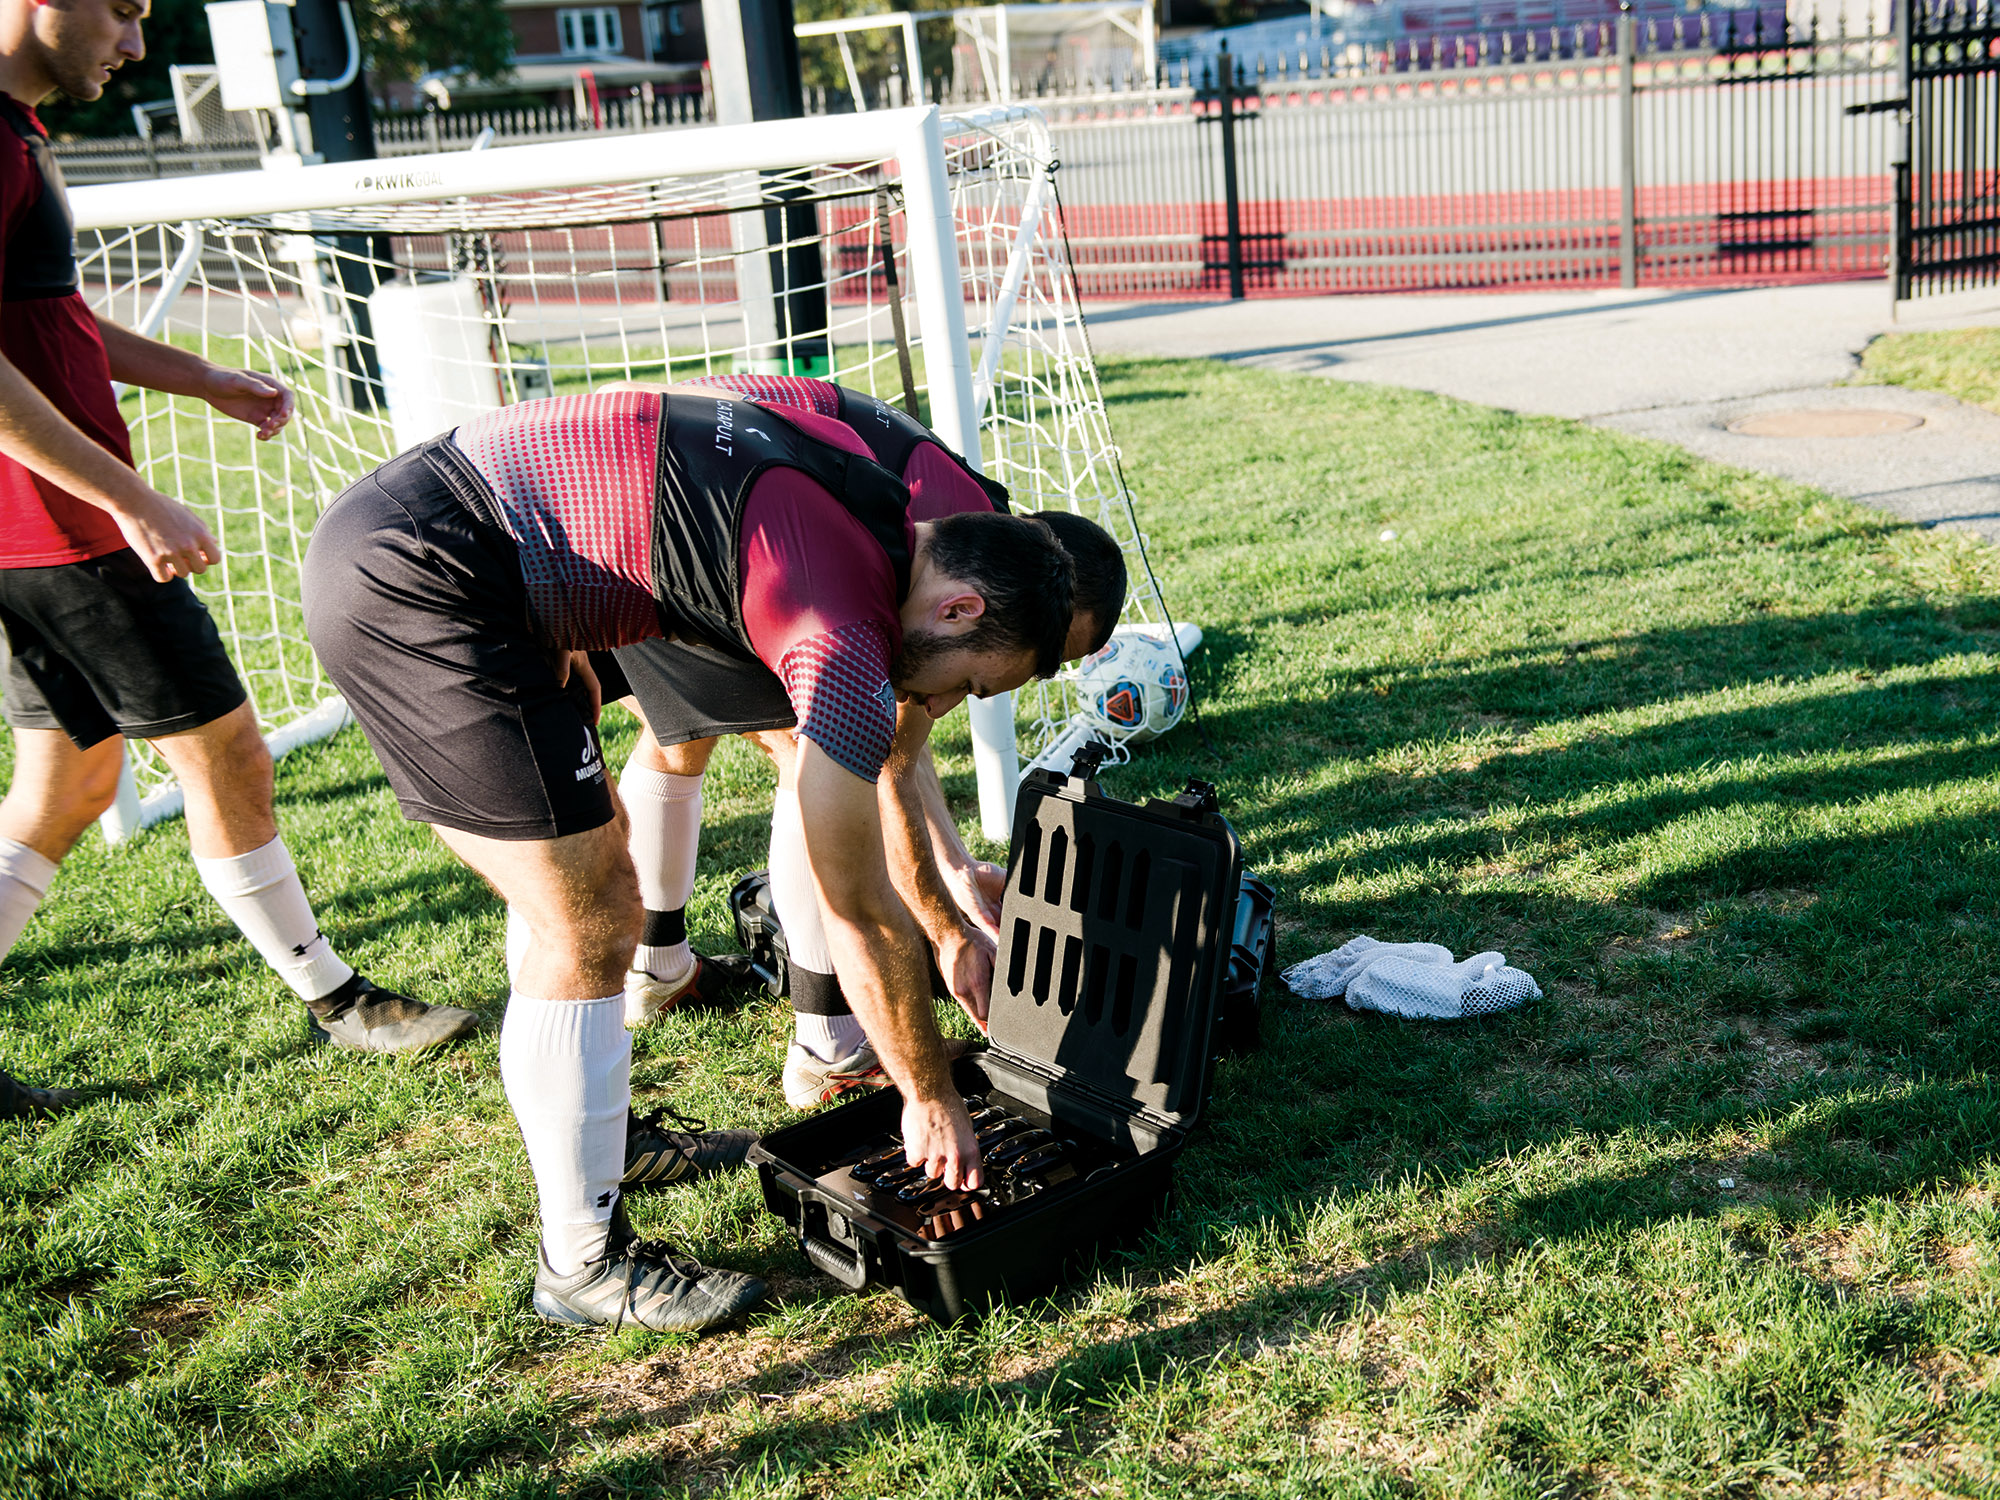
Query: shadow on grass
x=1939, y=1129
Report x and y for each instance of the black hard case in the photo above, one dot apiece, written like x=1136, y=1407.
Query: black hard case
x=1115, y=939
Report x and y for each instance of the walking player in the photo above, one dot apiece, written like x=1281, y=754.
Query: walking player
x=688, y=694
x=452, y=595
x=103, y=635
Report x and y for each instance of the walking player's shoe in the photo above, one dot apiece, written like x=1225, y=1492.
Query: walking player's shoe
x=647, y=998
x=368, y=1019
x=658, y=1157
x=810, y=1082
x=643, y=1282
x=21, y=1101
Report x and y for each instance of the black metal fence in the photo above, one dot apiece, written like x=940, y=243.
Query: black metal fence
x=1614, y=165
x=1612, y=156
x=1947, y=167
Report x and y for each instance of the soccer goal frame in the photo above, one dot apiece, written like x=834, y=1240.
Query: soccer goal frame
x=1016, y=257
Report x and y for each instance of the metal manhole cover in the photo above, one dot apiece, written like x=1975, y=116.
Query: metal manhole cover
x=1853, y=422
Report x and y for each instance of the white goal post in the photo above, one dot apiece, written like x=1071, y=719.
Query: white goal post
x=910, y=253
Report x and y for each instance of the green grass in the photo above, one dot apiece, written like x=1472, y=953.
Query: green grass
x=1714, y=756
x=1961, y=362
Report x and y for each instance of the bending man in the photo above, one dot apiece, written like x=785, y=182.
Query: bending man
x=452, y=595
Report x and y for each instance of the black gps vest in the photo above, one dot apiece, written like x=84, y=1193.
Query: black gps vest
x=713, y=449
x=41, y=252
x=893, y=435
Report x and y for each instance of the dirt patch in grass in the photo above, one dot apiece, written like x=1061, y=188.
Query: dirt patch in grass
x=158, y=1333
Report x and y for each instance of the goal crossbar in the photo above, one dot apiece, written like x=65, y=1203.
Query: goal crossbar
x=914, y=137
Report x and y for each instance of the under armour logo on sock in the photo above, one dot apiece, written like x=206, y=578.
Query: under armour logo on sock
x=606, y=1199
x=300, y=950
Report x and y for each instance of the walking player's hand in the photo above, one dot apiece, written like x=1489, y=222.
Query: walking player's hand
x=264, y=403
x=170, y=539
x=937, y=1135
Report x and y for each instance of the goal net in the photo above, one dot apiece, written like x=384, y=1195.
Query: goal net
x=911, y=255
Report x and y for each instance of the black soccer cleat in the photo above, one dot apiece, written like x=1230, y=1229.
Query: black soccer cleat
x=656, y=1156
x=367, y=1019
x=646, y=1283
x=21, y=1101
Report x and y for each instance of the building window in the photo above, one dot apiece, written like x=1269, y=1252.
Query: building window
x=664, y=24
x=589, y=32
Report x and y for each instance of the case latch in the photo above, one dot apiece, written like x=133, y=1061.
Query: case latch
x=1084, y=764
x=1197, y=797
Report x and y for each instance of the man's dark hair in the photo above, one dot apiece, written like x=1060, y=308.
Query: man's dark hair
x=1100, y=570
x=1020, y=570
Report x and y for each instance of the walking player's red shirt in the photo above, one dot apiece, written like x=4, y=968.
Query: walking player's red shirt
x=53, y=340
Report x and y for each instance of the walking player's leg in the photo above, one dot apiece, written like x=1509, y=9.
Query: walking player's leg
x=56, y=792
x=224, y=769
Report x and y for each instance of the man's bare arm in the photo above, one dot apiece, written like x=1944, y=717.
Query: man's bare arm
x=169, y=538
x=879, y=954
x=976, y=885
x=965, y=952
x=266, y=404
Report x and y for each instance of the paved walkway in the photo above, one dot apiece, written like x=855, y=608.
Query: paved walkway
x=1679, y=366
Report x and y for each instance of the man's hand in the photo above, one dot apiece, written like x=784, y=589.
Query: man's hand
x=977, y=887
x=170, y=539
x=966, y=961
x=264, y=403
x=937, y=1136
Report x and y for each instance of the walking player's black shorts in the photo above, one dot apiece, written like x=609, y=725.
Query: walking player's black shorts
x=102, y=647
x=417, y=608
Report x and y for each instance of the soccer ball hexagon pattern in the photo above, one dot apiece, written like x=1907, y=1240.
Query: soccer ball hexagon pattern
x=1135, y=689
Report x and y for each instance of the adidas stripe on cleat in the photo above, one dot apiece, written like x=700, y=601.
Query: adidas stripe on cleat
x=656, y=1156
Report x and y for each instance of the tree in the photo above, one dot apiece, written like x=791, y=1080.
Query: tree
x=407, y=38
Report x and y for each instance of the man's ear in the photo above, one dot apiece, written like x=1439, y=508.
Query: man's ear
x=961, y=610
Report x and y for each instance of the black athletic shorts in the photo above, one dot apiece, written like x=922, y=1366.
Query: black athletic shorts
x=416, y=605
x=690, y=691
x=102, y=647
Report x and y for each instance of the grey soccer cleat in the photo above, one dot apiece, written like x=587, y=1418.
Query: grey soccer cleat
x=368, y=1019
x=656, y=1156
x=21, y=1101
x=645, y=1283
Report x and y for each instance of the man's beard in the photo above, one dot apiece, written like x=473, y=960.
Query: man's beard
x=921, y=649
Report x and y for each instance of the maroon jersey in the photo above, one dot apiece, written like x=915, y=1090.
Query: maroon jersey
x=49, y=334
x=574, y=481
x=939, y=484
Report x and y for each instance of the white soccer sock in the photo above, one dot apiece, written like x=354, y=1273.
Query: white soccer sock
x=828, y=1038
x=567, y=1068
x=260, y=892
x=795, y=901
x=665, y=810
x=24, y=880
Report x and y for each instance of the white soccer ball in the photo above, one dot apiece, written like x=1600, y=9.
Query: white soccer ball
x=1134, y=689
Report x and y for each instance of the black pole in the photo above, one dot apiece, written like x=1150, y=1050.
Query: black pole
x=1902, y=240
x=766, y=49
x=1232, y=209
x=343, y=129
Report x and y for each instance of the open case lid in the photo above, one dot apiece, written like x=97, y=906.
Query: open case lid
x=1114, y=938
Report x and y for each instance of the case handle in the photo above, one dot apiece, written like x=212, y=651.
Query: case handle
x=849, y=1268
